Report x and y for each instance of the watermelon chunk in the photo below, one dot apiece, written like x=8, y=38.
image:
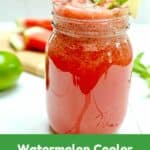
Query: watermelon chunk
x=36, y=38
x=32, y=22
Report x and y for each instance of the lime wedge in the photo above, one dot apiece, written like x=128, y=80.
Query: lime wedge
x=133, y=7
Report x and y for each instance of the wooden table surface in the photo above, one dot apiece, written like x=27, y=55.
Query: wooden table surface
x=23, y=109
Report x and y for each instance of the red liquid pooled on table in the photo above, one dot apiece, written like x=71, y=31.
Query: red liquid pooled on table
x=88, y=81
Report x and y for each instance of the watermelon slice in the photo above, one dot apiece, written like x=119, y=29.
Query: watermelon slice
x=32, y=22
x=36, y=38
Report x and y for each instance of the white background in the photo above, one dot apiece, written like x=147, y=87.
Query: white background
x=12, y=9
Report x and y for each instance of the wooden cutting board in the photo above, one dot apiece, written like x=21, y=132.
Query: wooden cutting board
x=32, y=62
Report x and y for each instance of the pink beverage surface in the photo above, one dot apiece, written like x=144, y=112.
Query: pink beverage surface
x=88, y=82
x=84, y=9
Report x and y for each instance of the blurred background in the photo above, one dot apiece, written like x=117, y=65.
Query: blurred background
x=12, y=9
x=22, y=109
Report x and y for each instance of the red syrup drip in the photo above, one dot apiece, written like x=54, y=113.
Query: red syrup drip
x=86, y=66
x=85, y=74
x=76, y=128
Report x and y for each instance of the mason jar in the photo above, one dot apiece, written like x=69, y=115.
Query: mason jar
x=88, y=70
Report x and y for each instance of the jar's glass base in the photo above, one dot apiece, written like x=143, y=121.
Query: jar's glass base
x=53, y=131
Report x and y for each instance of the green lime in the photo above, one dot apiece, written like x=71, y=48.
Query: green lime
x=10, y=69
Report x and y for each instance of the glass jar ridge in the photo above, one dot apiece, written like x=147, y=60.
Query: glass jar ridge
x=94, y=27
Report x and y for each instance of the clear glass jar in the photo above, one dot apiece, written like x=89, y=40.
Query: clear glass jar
x=88, y=73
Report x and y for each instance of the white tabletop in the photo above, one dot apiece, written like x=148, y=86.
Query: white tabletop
x=23, y=108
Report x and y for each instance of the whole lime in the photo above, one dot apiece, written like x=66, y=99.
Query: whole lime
x=10, y=69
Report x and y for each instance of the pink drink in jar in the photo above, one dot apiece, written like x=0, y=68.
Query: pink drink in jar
x=88, y=68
